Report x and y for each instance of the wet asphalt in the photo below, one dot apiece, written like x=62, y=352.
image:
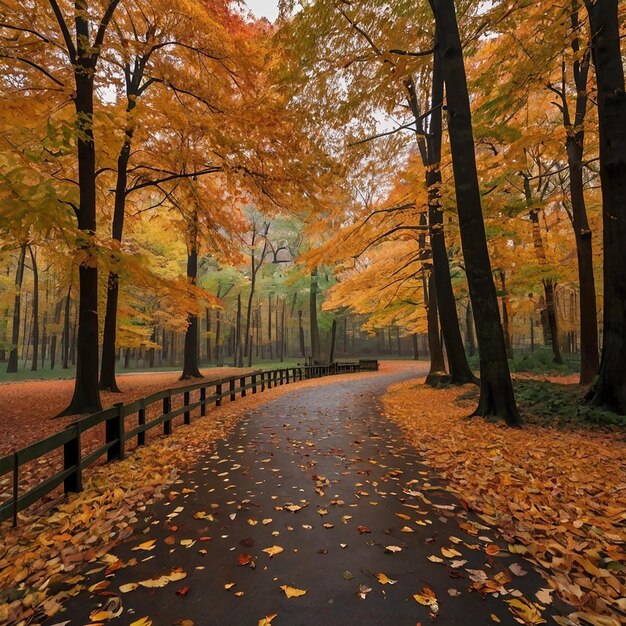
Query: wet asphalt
x=322, y=474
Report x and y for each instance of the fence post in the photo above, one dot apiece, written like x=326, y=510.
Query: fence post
x=287, y=375
x=186, y=414
x=253, y=383
x=202, y=401
x=141, y=420
x=16, y=486
x=167, y=407
x=218, y=393
x=115, y=434
x=71, y=458
x=242, y=382
x=262, y=381
x=232, y=389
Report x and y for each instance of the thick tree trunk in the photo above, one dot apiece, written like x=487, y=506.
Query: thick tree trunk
x=35, y=333
x=460, y=372
x=496, y=389
x=315, y=332
x=192, y=344
x=589, y=360
x=86, y=396
x=574, y=143
x=610, y=390
x=15, y=331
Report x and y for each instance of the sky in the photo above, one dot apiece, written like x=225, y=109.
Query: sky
x=264, y=8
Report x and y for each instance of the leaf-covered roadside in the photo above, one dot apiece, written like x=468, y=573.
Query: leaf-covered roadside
x=42, y=561
x=559, y=498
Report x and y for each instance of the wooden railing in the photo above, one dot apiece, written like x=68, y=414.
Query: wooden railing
x=116, y=434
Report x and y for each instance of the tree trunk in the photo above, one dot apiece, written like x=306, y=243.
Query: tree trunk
x=574, y=143
x=416, y=350
x=66, y=330
x=437, y=372
x=504, y=298
x=238, y=348
x=86, y=396
x=208, y=334
x=218, y=335
x=35, y=333
x=301, y=335
x=269, y=325
x=53, y=340
x=496, y=389
x=610, y=390
x=15, y=332
x=469, y=329
x=315, y=332
x=282, y=333
x=333, y=339
x=460, y=372
x=548, y=283
x=192, y=344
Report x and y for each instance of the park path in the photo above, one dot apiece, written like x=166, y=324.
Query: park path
x=323, y=475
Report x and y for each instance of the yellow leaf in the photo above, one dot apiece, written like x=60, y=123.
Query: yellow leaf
x=229, y=585
x=128, y=587
x=273, y=550
x=266, y=621
x=144, y=621
x=292, y=592
x=146, y=545
x=383, y=579
x=450, y=552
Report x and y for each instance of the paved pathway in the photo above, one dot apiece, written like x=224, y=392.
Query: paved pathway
x=322, y=475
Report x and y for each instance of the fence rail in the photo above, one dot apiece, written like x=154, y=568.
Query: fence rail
x=116, y=435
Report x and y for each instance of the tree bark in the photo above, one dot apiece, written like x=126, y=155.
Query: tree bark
x=333, y=339
x=15, y=331
x=301, y=335
x=269, y=325
x=315, y=332
x=238, y=348
x=496, y=389
x=437, y=372
x=574, y=143
x=86, y=396
x=430, y=151
x=504, y=298
x=416, y=351
x=35, y=333
x=610, y=389
x=192, y=344
x=66, y=330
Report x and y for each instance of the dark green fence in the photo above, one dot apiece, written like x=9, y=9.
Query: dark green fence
x=116, y=434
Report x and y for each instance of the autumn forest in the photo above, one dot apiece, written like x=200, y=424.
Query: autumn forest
x=434, y=190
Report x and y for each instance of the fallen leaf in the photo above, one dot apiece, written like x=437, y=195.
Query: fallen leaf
x=273, y=550
x=383, y=579
x=292, y=592
x=267, y=620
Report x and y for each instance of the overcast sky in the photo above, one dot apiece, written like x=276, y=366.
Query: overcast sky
x=264, y=8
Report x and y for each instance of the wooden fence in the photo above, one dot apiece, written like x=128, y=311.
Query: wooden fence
x=116, y=433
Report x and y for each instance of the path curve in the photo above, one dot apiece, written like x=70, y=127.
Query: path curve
x=330, y=451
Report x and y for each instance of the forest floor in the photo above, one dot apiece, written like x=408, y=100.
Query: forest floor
x=302, y=505
x=555, y=489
